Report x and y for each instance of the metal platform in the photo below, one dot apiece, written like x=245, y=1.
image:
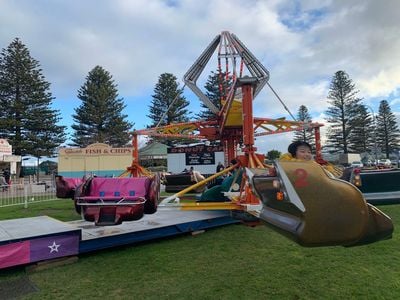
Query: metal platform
x=29, y=240
x=382, y=198
x=35, y=227
x=162, y=224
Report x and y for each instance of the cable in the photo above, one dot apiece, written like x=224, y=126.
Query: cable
x=287, y=109
x=169, y=107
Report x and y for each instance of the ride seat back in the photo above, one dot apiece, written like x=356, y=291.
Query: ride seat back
x=379, y=181
x=65, y=187
x=117, y=188
x=179, y=179
x=334, y=209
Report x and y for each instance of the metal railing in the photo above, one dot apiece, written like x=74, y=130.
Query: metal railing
x=27, y=193
x=30, y=192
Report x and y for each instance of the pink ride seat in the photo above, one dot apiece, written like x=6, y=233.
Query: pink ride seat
x=112, y=189
x=110, y=201
x=65, y=187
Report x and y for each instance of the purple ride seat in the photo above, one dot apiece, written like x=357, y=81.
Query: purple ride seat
x=65, y=187
x=110, y=201
x=115, y=189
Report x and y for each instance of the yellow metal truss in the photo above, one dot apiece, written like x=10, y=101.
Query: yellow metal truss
x=266, y=126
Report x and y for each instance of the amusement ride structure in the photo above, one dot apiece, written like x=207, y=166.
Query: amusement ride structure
x=233, y=124
x=298, y=198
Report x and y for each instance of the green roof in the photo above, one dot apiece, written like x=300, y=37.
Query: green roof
x=153, y=149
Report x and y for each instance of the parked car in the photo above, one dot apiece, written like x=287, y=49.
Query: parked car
x=357, y=164
x=384, y=163
x=369, y=163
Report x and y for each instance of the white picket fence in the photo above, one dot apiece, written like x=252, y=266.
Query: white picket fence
x=27, y=193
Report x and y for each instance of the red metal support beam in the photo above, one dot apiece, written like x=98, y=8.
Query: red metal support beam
x=135, y=156
x=247, y=103
x=318, y=154
x=229, y=148
x=248, y=85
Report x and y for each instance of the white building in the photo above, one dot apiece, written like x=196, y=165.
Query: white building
x=7, y=159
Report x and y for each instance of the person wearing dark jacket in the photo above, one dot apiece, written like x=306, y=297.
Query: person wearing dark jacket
x=220, y=167
x=7, y=176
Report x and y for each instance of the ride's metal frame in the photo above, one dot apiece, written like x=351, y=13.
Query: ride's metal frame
x=243, y=133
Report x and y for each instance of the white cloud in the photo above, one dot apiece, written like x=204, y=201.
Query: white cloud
x=312, y=95
x=381, y=84
x=395, y=102
x=278, y=142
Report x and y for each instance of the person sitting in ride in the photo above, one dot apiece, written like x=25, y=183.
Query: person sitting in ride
x=231, y=183
x=298, y=150
x=301, y=151
x=195, y=175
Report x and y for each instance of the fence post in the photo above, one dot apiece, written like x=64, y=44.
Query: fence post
x=25, y=196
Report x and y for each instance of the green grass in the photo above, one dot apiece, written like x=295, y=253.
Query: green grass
x=230, y=262
x=60, y=209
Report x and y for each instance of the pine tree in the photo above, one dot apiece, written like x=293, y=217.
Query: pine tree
x=273, y=154
x=26, y=117
x=99, y=118
x=168, y=103
x=343, y=100
x=217, y=88
x=305, y=135
x=167, y=93
x=387, y=131
x=361, y=137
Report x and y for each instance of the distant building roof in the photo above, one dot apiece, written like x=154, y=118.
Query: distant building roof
x=153, y=150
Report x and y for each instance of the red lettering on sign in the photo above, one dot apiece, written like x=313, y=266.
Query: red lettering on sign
x=93, y=151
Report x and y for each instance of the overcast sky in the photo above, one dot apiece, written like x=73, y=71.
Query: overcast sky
x=301, y=43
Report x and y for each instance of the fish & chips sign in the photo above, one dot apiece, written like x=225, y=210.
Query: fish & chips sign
x=96, y=149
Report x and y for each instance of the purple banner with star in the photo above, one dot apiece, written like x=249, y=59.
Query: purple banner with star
x=34, y=250
x=53, y=247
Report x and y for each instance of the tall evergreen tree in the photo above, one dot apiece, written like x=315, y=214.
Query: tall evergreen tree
x=217, y=88
x=99, y=118
x=361, y=137
x=344, y=103
x=387, y=131
x=168, y=105
x=26, y=117
x=304, y=135
x=168, y=102
x=273, y=154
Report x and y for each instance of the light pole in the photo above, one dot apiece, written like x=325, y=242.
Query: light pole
x=375, y=145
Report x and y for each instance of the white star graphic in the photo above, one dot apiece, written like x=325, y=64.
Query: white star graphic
x=54, y=247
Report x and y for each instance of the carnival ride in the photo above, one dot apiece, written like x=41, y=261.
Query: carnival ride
x=299, y=199
x=378, y=185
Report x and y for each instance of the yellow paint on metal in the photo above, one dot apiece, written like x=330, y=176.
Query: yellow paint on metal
x=203, y=182
x=265, y=126
x=211, y=206
x=234, y=117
